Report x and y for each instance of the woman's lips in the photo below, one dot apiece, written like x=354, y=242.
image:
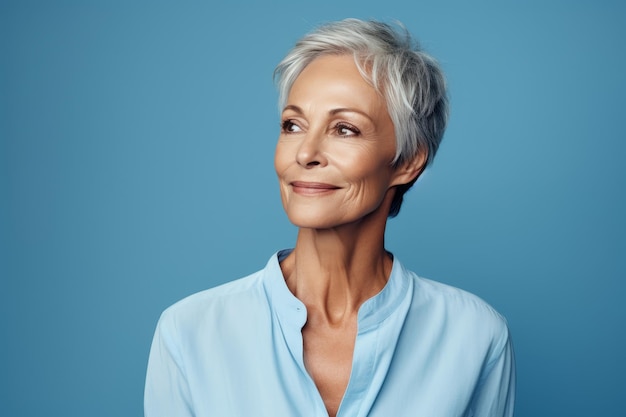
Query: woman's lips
x=312, y=188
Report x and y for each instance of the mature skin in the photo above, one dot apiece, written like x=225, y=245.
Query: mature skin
x=333, y=161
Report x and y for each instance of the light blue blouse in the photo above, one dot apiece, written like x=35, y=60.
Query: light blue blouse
x=422, y=349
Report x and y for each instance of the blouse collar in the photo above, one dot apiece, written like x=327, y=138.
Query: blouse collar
x=372, y=312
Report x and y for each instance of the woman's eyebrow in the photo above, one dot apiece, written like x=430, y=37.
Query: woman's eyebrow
x=294, y=108
x=349, y=110
x=332, y=112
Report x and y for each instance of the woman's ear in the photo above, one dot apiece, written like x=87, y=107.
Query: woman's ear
x=410, y=170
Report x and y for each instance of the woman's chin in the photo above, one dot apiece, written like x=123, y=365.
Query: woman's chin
x=313, y=219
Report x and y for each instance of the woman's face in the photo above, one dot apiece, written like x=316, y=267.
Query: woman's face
x=336, y=145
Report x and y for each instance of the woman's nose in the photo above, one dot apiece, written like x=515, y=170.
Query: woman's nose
x=310, y=152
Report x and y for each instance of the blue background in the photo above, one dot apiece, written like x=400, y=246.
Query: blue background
x=136, y=168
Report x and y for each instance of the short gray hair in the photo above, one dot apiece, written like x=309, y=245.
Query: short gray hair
x=410, y=80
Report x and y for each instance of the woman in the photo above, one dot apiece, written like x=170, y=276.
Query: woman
x=337, y=326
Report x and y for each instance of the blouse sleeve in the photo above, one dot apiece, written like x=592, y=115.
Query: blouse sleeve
x=166, y=391
x=495, y=395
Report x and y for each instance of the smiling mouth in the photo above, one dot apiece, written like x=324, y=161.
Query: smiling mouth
x=312, y=188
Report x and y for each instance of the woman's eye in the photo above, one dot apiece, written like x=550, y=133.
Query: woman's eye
x=288, y=126
x=344, y=129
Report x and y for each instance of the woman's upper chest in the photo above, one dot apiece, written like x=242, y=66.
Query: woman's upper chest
x=328, y=355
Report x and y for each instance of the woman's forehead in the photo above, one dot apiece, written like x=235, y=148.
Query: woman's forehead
x=335, y=80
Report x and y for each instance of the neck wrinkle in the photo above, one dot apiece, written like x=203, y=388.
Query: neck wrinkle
x=334, y=271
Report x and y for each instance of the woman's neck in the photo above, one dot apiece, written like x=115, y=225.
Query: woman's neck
x=333, y=271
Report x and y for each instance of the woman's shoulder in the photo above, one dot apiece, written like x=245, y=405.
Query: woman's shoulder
x=234, y=297
x=231, y=289
x=456, y=307
x=453, y=295
x=244, y=300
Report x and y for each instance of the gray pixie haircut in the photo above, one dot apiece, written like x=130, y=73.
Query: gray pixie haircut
x=410, y=81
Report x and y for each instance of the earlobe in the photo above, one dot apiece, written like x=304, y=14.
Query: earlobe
x=410, y=170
